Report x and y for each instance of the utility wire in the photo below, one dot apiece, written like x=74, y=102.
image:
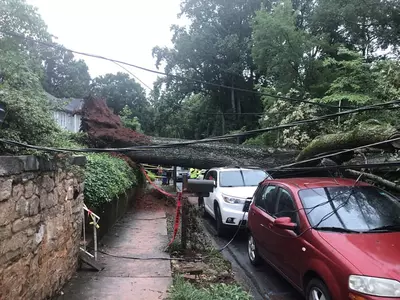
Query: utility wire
x=296, y=123
x=191, y=110
x=214, y=139
x=336, y=153
x=339, y=167
x=53, y=45
x=134, y=76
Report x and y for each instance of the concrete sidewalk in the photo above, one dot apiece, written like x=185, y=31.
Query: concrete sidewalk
x=141, y=234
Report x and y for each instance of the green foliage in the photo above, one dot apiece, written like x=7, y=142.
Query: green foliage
x=106, y=177
x=280, y=50
x=354, y=82
x=128, y=120
x=70, y=140
x=19, y=17
x=182, y=290
x=28, y=117
x=216, y=47
x=28, y=111
x=65, y=77
x=189, y=118
x=283, y=112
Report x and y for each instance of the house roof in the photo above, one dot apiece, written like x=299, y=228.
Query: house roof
x=70, y=105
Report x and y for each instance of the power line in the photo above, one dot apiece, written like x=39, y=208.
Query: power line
x=134, y=76
x=191, y=110
x=390, y=164
x=53, y=45
x=214, y=139
x=283, y=126
x=334, y=154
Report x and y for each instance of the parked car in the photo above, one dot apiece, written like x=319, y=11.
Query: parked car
x=180, y=172
x=332, y=239
x=233, y=186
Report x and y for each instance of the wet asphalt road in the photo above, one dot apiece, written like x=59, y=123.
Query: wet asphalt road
x=263, y=281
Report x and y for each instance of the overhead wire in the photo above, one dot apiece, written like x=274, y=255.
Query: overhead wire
x=57, y=46
x=339, y=153
x=327, y=215
x=217, y=138
x=134, y=76
x=284, y=126
x=120, y=63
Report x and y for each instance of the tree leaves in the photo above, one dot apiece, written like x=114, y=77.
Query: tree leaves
x=106, y=177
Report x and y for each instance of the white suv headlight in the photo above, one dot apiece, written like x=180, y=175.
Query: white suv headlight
x=380, y=287
x=233, y=200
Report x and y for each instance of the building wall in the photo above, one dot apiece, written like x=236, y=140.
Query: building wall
x=67, y=121
x=40, y=226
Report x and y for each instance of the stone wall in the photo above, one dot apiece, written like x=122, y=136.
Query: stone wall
x=40, y=225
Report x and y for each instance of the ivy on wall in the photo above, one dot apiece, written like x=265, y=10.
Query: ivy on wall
x=106, y=177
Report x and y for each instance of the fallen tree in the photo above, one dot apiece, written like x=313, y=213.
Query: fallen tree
x=105, y=129
x=210, y=155
x=363, y=134
x=387, y=183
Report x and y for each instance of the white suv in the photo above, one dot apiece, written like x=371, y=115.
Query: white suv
x=233, y=186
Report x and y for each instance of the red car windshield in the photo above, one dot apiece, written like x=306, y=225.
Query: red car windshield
x=360, y=209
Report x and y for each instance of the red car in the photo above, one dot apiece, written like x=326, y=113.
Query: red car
x=331, y=238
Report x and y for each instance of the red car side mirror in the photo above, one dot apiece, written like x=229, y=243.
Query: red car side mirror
x=285, y=223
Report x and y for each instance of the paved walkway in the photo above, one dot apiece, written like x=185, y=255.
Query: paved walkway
x=140, y=234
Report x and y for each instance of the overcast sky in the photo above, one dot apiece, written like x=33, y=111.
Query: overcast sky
x=126, y=30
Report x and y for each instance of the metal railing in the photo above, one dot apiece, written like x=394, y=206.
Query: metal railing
x=95, y=221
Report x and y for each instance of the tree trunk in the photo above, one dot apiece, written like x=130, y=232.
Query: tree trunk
x=105, y=129
x=389, y=184
x=363, y=134
x=204, y=156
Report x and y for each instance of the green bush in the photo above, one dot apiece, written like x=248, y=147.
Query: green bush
x=106, y=177
x=69, y=140
x=182, y=290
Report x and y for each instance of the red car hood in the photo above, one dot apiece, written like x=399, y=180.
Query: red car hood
x=373, y=254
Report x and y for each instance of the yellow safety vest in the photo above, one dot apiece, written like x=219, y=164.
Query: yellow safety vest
x=193, y=173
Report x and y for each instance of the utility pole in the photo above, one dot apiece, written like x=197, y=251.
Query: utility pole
x=185, y=212
x=340, y=105
x=174, y=177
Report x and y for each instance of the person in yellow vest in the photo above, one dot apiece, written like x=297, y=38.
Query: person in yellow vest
x=194, y=173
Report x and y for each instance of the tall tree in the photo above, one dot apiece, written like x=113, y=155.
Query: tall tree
x=282, y=51
x=216, y=47
x=64, y=76
x=28, y=117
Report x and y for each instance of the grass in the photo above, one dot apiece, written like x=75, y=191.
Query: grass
x=182, y=290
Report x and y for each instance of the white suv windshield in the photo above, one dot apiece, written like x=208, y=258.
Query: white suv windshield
x=236, y=178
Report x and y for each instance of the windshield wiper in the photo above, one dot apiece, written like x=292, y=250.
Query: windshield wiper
x=386, y=228
x=336, y=229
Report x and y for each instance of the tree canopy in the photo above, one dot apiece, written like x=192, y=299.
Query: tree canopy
x=338, y=53
x=341, y=53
